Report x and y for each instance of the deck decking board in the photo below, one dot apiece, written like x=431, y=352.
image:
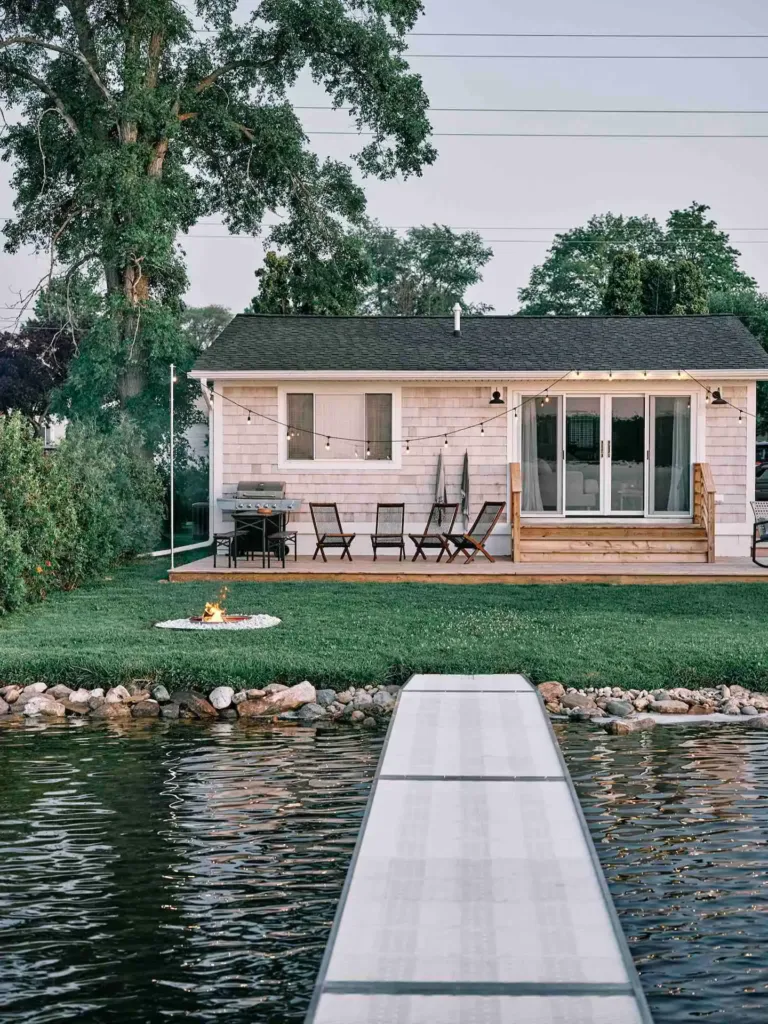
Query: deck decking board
x=474, y=894
x=502, y=571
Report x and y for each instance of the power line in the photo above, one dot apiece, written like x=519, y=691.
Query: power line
x=552, y=110
x=586, y=56
x=560, y=135
x=585, y=35
x=527, y=241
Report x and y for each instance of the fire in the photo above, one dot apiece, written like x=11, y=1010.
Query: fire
x=215, y=610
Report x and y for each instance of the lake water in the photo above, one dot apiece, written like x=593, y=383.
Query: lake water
x=155, y=874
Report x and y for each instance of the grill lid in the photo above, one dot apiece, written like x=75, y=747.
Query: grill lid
x=260, y=489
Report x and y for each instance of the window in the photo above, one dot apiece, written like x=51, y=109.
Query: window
x=346, y=426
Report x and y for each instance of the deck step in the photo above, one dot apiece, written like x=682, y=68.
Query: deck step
x=600, y=546
x=555, y=557
x=586, y=530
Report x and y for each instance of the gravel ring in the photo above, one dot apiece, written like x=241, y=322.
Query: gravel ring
x=252, y=622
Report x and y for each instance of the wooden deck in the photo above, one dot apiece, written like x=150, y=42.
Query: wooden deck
x=475, y=893
x=503, y=570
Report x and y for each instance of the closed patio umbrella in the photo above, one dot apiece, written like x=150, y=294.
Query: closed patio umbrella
x=441, y=494
x=465, y=490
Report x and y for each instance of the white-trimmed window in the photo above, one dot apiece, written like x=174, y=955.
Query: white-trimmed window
x=338, y=426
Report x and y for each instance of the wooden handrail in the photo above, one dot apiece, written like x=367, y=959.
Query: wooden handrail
x=704, y=504
x=515, y=505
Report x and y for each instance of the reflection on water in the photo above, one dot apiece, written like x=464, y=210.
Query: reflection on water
x=151, y=875
x=680, y=822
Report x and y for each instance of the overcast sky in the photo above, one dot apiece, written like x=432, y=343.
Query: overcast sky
x=540, y=186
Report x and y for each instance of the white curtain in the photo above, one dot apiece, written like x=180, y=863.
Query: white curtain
x=530, y=460
x=679, y=477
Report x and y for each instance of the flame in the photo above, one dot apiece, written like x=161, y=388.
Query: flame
x=215, y=610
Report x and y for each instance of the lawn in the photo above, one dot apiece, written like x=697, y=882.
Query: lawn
x=335, y=634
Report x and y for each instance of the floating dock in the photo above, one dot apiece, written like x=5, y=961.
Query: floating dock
x=475, y=893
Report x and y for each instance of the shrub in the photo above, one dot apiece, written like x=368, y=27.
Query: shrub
x=69, y=516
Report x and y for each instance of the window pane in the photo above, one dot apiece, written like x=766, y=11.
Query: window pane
x=672, y=455
x=300, y=419
x=541, y=455
x=582, y=454
x=378, y=426
x=339, y=416
x=628, y=454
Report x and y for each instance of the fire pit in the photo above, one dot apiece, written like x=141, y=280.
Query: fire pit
x=215, y=617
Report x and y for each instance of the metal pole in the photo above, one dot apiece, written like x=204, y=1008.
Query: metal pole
x=173, y=380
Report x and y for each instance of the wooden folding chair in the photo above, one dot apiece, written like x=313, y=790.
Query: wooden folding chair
x=390, y=521
x=441, y=518
x=473, y=541
x=325, y=519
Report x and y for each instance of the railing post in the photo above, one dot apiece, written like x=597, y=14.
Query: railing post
x=515, y=503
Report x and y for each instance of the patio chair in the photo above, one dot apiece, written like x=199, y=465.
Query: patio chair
x=441, y=518
x=760, y=531
x=390, y=522
x=474, y=540
x=325, y=519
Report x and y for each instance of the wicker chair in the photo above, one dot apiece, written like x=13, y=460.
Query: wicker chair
x=760, y=531
x=441, y=519
x=390, y=522
x=473, y=541
x=325, y=519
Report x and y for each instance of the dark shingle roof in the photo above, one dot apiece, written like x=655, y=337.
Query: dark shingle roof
x=492, y=343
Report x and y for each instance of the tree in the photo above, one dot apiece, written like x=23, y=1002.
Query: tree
x=135, y=120
x=691, y=295
x=658, y=287
x=33, y=363
x=623, y=293
x=425, y=273
x=573, y=278
x=201, y=325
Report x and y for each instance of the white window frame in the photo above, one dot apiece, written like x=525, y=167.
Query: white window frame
x=651, y=389
x=361, y=465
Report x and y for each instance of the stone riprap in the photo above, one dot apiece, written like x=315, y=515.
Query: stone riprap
x=368, y=706
x=626, y=711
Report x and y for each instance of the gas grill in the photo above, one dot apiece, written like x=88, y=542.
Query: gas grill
x=253, y=530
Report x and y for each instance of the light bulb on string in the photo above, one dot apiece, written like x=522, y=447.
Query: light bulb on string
x=610, y=375
x=248, y=420
x=739, y=415
x=357, y=454
x=515, y=412
x=482, y=428
x=328, y=444
x=546, y=397
x=407, y=445
x=645, y=374
x=368, y=450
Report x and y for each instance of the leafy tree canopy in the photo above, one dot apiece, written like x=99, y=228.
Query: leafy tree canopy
x=751, y=307
x=136, y=119
x=424, y=273
x=649, y=287
x=372, y=270
x=574, y=277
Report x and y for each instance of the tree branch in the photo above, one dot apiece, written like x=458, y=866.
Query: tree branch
x=215, y=75
x=45, y=45
x=43, y=86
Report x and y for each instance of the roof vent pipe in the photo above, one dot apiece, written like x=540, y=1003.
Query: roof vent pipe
x=457, y=321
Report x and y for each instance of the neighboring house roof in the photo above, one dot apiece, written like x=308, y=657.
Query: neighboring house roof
x=260, y=343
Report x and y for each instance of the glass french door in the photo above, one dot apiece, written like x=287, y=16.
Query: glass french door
x=607, y=455
x=583, y=454
x=625, y=452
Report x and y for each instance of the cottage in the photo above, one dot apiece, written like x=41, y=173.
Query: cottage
x=609, y=438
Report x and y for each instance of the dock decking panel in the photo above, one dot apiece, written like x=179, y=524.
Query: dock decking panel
x=475, y=895
x=502, y=734
x=450, y=1009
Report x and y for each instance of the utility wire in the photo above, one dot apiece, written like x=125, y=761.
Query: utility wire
x=551, y=110
x=559, y=135
x=586, y=56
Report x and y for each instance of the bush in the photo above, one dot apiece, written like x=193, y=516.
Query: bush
x=71, y=515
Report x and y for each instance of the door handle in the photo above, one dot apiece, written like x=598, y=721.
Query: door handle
x=609, y=449
x=602, y=449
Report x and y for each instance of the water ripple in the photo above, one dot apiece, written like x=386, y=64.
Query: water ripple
x=154, y=875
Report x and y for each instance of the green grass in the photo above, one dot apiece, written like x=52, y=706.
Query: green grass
x=335, y=634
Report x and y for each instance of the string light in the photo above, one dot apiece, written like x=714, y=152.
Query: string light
x=408, y=445
x=546, y=396
x=248, y=420
x=357, y=456
x=610, y=375
x=645, y=374
x=368, y=451
x=328, y=444
x=446, y=441
x=482, y=427
x=739, y=415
